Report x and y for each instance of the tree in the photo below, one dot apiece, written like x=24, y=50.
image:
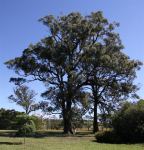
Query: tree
x=62, y=59
x=105, y=120
x=56, y=62
x=77, y=117
x=26, y=125
x=110, y=72
x=24, y=97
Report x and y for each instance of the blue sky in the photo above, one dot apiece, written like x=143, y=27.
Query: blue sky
x=19, y=27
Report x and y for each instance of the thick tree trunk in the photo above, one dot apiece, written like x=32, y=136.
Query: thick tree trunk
x=95, y=121
x=67, y=118
x=66, y=129
x=65, y=126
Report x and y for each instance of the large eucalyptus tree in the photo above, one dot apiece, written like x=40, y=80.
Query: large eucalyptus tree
x=72, y=56
x=56, y=61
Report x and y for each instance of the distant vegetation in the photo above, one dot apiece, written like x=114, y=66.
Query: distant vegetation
x=8, y=119
x=14, y=120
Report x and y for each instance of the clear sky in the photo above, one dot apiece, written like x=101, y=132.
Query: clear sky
x=19, y=27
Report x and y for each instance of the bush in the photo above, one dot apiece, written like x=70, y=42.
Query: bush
x=107, y=137
x=27, y=130
x=26, y=126
x=128, y=122
x=39, y=124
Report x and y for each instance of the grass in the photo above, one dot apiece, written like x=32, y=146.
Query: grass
x=54, y=141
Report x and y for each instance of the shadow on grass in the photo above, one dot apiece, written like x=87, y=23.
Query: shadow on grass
x=7, y=133
x=48, y=133
x=41, y=134
x=120, y=143
x=11, y=143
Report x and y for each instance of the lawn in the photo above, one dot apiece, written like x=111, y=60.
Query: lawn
x=79, y=142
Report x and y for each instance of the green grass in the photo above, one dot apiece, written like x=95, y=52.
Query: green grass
x=82, y=141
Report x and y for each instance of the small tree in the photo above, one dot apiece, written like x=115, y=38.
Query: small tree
x=24, y=97
x=26, y=126
x=77, y=117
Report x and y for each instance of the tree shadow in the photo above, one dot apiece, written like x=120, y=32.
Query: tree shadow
x=120, y=143
x=7, y=133
x=48, y=133
x=11, y=143
x=61, y=134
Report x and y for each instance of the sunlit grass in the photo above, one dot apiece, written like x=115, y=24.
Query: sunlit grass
x=57, y=142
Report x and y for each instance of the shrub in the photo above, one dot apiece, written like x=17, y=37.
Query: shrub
x=26, y=126
x=107, y=137
x=128, y=122
x=27, y=129
x=39, y=124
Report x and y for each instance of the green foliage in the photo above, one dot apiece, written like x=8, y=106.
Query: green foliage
x=24, y=97
x=77, y=120
x=128, y=122
x=105, y=120
x=26, y=126
x=27, y=130
x=8, y=119
x=38, y=122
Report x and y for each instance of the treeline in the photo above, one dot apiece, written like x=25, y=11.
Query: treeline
x=8, y=119
x=11, y=120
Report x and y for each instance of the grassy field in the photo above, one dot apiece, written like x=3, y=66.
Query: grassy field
x=56, y=142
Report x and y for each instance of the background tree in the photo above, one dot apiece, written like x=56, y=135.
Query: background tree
x=77, y=118
x=24, y=97
x=104, y=120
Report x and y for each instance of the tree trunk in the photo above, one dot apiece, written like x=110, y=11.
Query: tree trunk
x=65, y=129
x=67, y=118
x=95, y=121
